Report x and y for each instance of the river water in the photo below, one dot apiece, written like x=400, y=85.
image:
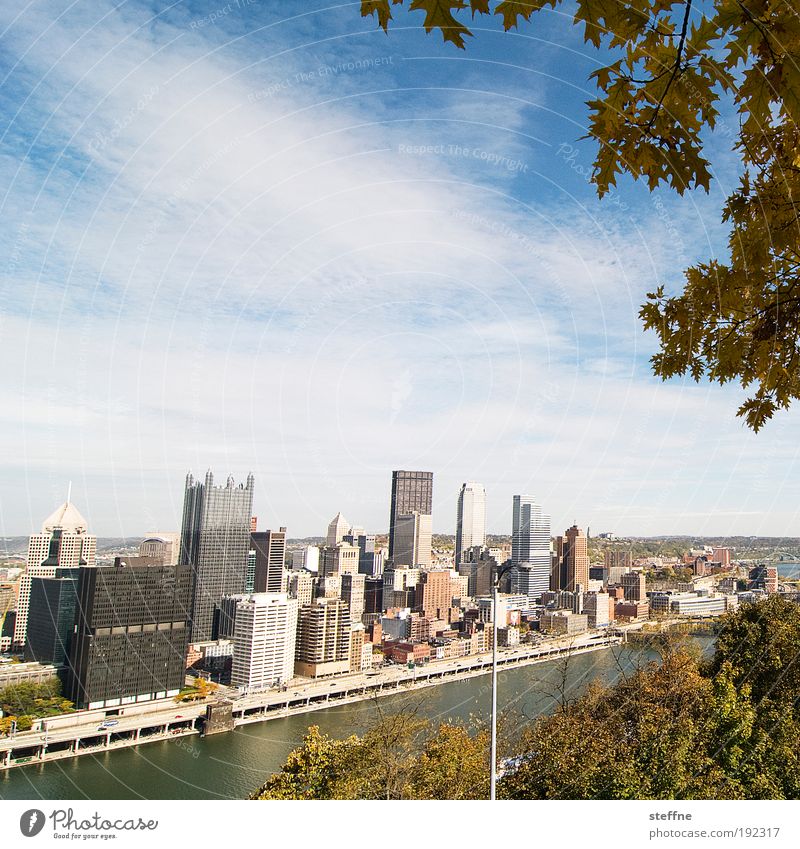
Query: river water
x=232, y=765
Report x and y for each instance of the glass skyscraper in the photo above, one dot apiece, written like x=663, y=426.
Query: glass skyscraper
x=215, y=542
x=470, y=518
x=412, y=492
x=530, y=548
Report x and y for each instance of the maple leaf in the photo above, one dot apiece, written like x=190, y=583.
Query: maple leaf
x=438, y=16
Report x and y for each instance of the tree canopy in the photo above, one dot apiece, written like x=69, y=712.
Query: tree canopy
x=22, y=703
x=673, y=62
x=401, y=757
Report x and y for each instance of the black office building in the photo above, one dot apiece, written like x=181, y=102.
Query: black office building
x=412, y=492
x=270, y=551
x=131, y=634
x=51, y=617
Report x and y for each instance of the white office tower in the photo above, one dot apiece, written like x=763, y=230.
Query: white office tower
x=530, y=548
x=470, y=518
x=264, y=640
x=412, y=540
x=338, y=529
x=306, y=558
x=76, y=548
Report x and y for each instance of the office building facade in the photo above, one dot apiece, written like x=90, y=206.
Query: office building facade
x=412, y=492
x=131, y=635
x=412, y=540
x=76, y=547
x=470, y=519
x=215, y=541
x=51, y=617
x=264, y=641
x=269, y=574
x=571, y=561
x=323, y=638
x=530, y=548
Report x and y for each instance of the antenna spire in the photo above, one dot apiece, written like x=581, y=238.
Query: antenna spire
x=69, y=492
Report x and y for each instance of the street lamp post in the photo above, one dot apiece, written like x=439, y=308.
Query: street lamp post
x=493, y=754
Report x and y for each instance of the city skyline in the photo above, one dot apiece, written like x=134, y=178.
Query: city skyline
x=316, y=533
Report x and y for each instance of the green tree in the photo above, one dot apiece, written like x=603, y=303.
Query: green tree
x=318, y=769
x=672, y=62
x=33, y=699
x=401, y=757
x=760, y=645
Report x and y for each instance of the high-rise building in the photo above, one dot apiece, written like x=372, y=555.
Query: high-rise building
x=530, y=548
x=51, y=617
x=399, y=587
x=323, y=638
x=337, y=529
x=264, y=641
x=301, y=586
x=470, y=518
x=370, y=561
x=412, y=492
x=434, y=595
x=131, y=635
x=340, y=559
x=373, y=595
x=571, y=562
x=270, y=566
x=215, y=540
x=634, y=585
x=412, y=540
x=479, y=565
x=306, y=558
x=164, y=546
x=76, y=547
x=352, y=592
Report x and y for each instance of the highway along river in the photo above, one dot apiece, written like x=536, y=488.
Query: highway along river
x=232, y=765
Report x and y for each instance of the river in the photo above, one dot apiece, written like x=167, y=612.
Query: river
x=232, y=765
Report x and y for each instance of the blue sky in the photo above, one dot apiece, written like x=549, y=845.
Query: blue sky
x=265, y=236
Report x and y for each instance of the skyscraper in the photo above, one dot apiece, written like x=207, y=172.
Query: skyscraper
x=530, y=548
x=337, y=529
x=131, y=634
x=75, y=548
x=323, y=638
x=270, y=561
x=571, y=567
x=434, y=594
x=215, y=540
x=412, y=492
x=265, y=634
x=51, y=617
x=412, y=540
x=470, y=518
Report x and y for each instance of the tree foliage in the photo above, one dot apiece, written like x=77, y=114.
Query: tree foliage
x=28, y=700
x=673, y=62
x=199, y=689
x=401, y=757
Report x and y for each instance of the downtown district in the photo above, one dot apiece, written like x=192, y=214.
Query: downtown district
x=224, y=601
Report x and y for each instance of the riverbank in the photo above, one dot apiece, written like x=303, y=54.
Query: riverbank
x=78, y=735
x=232, y=766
